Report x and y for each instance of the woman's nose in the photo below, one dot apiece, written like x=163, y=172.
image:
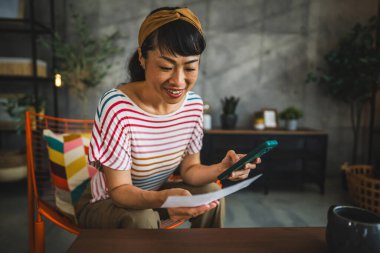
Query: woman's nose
x=178, y=77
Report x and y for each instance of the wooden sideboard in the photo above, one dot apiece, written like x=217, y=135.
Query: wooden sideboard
x=300, y=157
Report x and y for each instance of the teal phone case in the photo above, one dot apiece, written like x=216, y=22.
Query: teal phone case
x=256, y=153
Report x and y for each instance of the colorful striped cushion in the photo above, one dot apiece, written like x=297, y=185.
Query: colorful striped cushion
x=70, y=172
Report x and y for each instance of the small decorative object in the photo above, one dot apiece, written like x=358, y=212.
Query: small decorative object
x=259, y=124
x=291, y=115
x=229, y=117
x=352, y=229
x=258, y=121
x=270, y=118
x=207, y=119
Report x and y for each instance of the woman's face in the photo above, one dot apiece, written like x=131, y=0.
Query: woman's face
x=170, y=76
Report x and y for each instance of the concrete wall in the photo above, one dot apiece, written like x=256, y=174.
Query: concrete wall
x=258, y=50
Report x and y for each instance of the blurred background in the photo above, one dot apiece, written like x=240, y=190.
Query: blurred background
x=320, y=57
x=260, y=51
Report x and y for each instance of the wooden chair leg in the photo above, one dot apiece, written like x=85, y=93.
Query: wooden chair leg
x=39, y=235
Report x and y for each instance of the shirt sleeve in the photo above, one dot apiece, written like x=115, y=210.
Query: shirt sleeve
x=110, y=144
x=196, y=139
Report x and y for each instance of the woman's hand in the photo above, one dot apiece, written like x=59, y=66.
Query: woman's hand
x=231, y=158
x=185, y=213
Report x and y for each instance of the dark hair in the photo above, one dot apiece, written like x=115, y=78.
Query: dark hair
x=178, y=38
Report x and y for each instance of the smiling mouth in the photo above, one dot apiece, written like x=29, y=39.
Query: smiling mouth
x=174, y=92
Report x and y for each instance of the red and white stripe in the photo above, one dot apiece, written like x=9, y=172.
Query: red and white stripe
x=125, y=137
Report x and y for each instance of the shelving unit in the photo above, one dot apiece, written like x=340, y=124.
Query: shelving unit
x=29, y=30
x=17, y=25
x=33, y=28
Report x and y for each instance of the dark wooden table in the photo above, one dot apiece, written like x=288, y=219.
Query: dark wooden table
x=253, y=240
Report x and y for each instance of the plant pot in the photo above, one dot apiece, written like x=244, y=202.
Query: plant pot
x=292, y=124
x=228, y=121
x=207, y=121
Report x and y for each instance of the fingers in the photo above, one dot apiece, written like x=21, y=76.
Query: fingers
x=177, y=192
x=183, y=192
x=196, y=211
x=185, y=213
x=251, y=166
x=236, y=157
x=244, y=172
x=233, y=156
x=239, y=175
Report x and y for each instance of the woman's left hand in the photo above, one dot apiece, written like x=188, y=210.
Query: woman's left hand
x=231, y=158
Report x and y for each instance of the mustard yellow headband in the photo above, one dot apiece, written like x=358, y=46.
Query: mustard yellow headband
x=160, y=18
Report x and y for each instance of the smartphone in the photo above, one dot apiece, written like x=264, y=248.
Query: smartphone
x=252, y=155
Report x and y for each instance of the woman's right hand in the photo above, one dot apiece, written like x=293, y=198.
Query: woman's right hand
x=185, y=213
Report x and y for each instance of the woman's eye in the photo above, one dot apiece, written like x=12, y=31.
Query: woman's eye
x=189, y=69
x=165, y=68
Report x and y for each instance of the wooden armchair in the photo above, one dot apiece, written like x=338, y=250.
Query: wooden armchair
x=41, y=190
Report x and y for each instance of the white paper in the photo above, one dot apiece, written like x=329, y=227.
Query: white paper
x=202, y=199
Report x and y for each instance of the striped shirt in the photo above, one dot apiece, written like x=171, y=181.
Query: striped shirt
x=125, y=137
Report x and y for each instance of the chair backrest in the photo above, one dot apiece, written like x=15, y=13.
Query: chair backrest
x=37, y=153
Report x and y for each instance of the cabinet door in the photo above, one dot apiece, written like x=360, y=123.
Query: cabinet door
x=216, y=146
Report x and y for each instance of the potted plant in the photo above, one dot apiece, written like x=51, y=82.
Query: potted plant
x=229, y=117
x=351, y=72
x=291, y=115
x=82, y=61
x=17, y=106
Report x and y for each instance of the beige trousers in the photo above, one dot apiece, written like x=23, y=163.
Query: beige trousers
x=104, y=214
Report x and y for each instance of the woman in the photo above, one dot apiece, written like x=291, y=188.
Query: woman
x=147, y=128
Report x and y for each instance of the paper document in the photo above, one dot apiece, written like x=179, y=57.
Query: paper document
x=202, y=199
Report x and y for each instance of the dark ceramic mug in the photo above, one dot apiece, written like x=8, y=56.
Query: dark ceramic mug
x=352, y=229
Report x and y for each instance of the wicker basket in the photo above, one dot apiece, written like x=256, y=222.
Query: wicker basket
x=363, y=188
